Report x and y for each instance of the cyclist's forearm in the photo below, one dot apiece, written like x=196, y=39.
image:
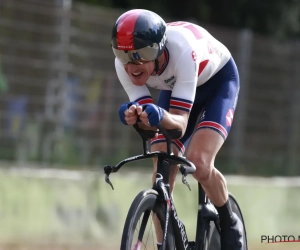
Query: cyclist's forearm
x=175, y=121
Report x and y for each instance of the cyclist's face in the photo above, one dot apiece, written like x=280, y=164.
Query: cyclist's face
x=139, y=73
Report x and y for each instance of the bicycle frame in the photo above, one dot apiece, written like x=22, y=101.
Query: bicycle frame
x=206, y=212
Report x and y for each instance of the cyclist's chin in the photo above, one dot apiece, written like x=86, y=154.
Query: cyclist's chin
x=139, y=80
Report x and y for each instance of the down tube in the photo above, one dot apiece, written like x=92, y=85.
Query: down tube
x=168, y=236
x=181, y=239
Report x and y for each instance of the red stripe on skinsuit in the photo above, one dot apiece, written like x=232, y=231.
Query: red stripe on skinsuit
x=202, y=65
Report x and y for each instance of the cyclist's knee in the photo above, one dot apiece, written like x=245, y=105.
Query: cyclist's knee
x=204, y=165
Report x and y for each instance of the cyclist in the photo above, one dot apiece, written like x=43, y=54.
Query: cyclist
x=195, y=74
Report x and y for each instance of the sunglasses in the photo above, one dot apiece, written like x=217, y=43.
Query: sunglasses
x=139, y=56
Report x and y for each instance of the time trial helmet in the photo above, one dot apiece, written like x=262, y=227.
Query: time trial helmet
x=138, y=35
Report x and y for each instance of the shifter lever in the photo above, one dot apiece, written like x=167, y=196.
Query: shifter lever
x=184, y=181
x=107, y=170
x=108, y=181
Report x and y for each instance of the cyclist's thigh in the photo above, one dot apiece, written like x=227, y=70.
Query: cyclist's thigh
x=216, y=120
x=219, y=110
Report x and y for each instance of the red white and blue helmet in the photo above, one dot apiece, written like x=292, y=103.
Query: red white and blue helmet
x=138, y=35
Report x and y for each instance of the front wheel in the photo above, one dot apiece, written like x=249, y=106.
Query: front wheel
x=139, y=231
x=213, y=240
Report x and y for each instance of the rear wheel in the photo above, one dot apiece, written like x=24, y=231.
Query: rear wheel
x=213, y=236
x=139, y=231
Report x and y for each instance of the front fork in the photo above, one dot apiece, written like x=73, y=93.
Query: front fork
x=174, y=233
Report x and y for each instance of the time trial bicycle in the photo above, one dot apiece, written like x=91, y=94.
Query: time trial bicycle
x=158, y=201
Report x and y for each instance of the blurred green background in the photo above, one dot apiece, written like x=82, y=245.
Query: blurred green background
x=59, y=97
x=66, y=209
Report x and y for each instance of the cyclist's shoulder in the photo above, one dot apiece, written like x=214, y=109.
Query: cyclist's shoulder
x=184, y=37
x=179, y=37
x=186, y=32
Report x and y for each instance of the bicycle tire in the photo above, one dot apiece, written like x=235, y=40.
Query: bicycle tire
x=213, y=236
x=147, y=200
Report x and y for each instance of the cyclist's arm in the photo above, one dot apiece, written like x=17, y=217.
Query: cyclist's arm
x=175, y=119
x=183, y=93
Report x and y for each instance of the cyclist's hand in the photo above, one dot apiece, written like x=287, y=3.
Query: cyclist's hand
x=142, y=115
x=152, y=115
x=128, y=114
